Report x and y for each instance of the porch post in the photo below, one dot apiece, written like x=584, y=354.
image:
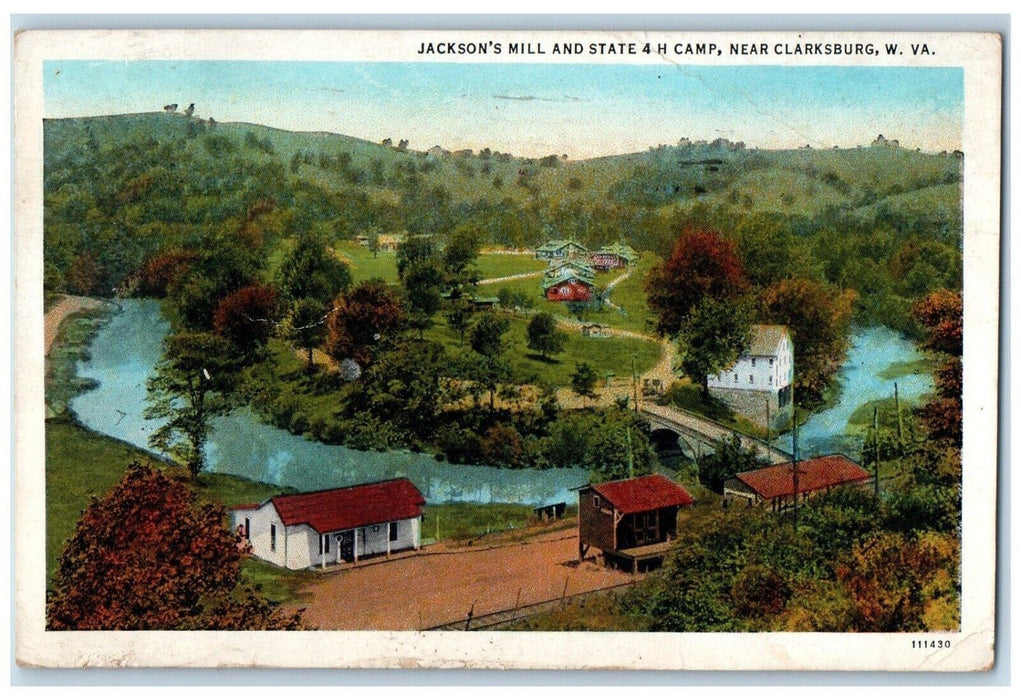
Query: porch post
x=356, y=545
x=322, y=549
x=388, y=540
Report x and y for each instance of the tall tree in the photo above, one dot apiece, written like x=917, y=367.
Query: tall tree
x=818, y=317
x=583, y=380
x=308, y=326
x=702, y=264
x=940, y=314
x=247, y=317
x=712, y=338
x=313, y=271
x=148, y=556
x=193, y=384
x=543, y=336
x=365, y=318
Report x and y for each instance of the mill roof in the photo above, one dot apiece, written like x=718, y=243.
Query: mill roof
x=643, y=493
x=813, y=474
x=351, y=506
x=764, y=339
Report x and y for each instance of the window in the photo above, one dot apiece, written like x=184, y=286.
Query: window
x=272, y=538
x=753, y=362
x=393, y=532
x=248, y=529
x=735, y=379
x=751, y=378
x=324, y=544
x=771, y=379
x=596, y=502
x=771, y=362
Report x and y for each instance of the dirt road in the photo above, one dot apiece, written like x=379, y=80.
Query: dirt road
x=60, y=311
x=437, y=587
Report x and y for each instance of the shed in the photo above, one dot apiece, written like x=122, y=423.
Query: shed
x=334, y=526
x=631, y=521
x=775, y=485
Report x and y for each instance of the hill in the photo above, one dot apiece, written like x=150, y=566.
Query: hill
x=121, y=189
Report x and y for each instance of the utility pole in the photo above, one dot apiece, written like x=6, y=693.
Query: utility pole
x=875, y=440
x=900, y=422
x=794, y=466
x=634, y=380
x=769, y=439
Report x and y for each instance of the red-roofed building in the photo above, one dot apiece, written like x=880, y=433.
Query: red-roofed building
x=630, y=521
x=775, y=485
x=303, y=530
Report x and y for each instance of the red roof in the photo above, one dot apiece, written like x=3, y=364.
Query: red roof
x=352, y=506
x=643, y=494
x=813, y=474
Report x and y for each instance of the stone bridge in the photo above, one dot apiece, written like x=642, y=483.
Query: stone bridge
x=698, y=435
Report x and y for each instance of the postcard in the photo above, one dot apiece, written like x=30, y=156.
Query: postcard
x=518, y=350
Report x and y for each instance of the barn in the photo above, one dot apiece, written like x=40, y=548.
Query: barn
x=631, y=521
x=776, y=486
x=336, y=526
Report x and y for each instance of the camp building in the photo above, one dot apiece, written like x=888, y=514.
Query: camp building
x=775, y=485
x=322, y=528
x=560, y=249
x=571, y=280
x=630, y=521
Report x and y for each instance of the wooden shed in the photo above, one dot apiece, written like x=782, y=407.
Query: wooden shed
x=631, y=521
x=776, y=485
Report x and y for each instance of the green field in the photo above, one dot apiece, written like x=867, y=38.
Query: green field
x=602, y=354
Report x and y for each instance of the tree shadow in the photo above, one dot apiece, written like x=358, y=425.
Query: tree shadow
x=539, y=358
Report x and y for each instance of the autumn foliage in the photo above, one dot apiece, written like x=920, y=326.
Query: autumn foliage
x=941, y=314
x=160, y=271
x=147, y=556
x=247, y=317
x=703, y=264
x=818, y=317
x=362, y=318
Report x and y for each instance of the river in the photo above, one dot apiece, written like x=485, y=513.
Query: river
x=874, y=351
x=124, y=353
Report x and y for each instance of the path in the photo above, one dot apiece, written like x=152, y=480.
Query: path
x=510, y=278
x=434, y=588
x=60, y=311
x=614, y=283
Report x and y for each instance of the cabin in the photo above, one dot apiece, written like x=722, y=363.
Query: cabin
x=758, y=386
x=632, y=521
x=596, y=330
x=571, y=280
x=614, y=256
x=390, y=242
x=560, y=249
x=336, y=526
x=776, y=485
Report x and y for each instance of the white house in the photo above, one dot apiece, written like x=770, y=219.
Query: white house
x=761, y=377
x=303, y=530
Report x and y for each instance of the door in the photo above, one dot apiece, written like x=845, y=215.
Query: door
x=346, y=546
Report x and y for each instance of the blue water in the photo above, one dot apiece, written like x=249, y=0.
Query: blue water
x=872, y=351
x=124, y=353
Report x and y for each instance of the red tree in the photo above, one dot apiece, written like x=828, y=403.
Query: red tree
x=941, y=315
x=362, y=318
x=247, y=317
x=703, y=263
x=160, y=271
x=147, y=556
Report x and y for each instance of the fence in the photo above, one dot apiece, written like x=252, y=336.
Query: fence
x=509, y=615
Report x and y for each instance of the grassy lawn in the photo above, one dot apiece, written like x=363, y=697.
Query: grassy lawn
x=364, y=266
x=922, y=365
x=465, y=521
x=603, y=354
x=494, y=265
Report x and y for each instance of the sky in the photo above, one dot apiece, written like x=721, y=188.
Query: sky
x=535, y=109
